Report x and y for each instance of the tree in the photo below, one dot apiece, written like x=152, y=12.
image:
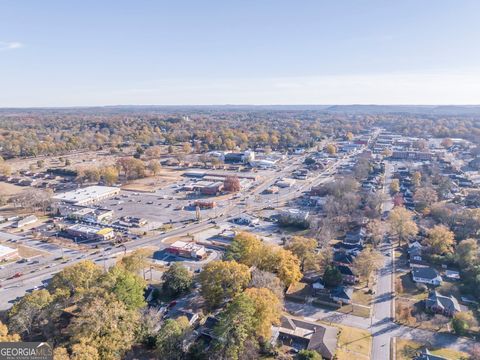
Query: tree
x=332, y=276
x=376, y=230
x=84, y=351
x=283, y=263
x=232, y=184
x=401, y=224
x=416, y=179
x=110, y=175
x=462, y=322
x=439, y=240
x=387, y=152
x=331, y=149
x=177, y=279
x=76, y=279
x=304, y=249
x=425, y=197
x=222, y=280
x=367, y=262
x=105, y=324
x=268, y=310
x=235, y=327
x=135, y=261
x=309, y=355
x=268, y=280
x=467, y=253
x=5, y=336
x=154, y=167
x=60, y=353
x=325, y=258
x=187, y=148
x=27, y=316
x=246, y=248
x=128, y=287
x=394, y=186
x=170, y=338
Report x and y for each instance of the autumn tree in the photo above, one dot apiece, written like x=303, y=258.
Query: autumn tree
x=76, y=279
x=110, y=175
x=169, y=341
x=439, y=240
x=331, y=149
x=394, y=186
x=304, y=249
x=268, y=310
x=425, y=197
x=367, y=262
x=135, y=261
x=222, y=280
x=467, y=253
x=376, y=230
x=127, y=286
x=105, y=324
x=401, y=224
x=5, y=336
x=231, y=184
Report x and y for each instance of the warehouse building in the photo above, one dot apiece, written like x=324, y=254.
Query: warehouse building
x=88, y=195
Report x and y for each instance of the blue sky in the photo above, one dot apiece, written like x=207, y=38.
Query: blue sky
x=69, y=53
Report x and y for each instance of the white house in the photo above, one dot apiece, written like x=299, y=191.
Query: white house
x=426, y=275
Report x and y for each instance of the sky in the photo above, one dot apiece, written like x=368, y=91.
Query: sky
x=179, y=52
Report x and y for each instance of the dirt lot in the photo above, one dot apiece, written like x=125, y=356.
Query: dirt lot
x=10, y=189
x=152, y=184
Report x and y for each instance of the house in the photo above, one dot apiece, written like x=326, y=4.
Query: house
x=356, y=236
x=301, y=334
x=342, y=258
x=348, y=276
x=318, y=287
x=342, y=294
x=415, y=254
x=446, y=305
x=426, y=275
x=348, y=248
x=452, y=275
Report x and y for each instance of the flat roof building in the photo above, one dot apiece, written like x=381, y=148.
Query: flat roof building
x=88, y=232
x=88, y=195
x=187, y=249
x=7, y=253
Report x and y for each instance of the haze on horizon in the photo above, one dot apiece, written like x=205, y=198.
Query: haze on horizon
x=54, y=53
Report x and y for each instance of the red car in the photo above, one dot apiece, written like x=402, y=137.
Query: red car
x=17, y=275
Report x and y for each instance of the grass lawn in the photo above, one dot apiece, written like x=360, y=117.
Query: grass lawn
x=361, y=297
x=353, y=343
x=406, y=287
x=406, y=349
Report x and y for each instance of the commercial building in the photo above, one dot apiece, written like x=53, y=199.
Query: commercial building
x=7, y=253
x=88, y=195
x=88, y=232
x=189, y=250
x=28, y=220
x=208, y=187
x=91, y=214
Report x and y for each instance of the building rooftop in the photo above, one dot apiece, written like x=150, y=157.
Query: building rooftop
x=89, y=193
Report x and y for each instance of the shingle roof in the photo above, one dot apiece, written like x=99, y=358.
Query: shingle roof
x=449, y=303
x=321, y=338
x=424, y=273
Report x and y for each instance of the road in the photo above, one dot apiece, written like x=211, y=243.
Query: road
x=34, y=274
